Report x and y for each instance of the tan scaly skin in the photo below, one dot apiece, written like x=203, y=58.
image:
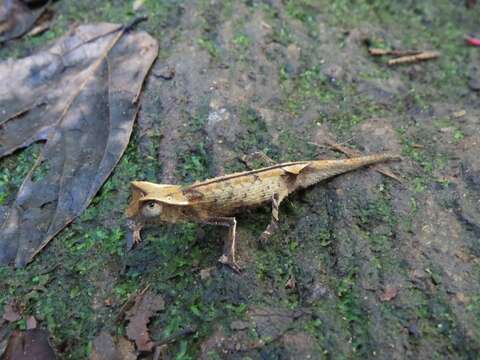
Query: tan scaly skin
x=216, y=201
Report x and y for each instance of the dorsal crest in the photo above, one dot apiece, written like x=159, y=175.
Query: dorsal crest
x=295, y=169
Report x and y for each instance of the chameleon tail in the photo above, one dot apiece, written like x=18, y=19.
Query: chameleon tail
x=319, y=170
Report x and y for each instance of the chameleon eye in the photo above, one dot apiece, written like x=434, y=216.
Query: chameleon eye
x=152, y=209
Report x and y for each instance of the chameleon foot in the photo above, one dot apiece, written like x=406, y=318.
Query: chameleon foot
x=269, y=231
x=231, y=263
x=137, y=238
x=134, y=238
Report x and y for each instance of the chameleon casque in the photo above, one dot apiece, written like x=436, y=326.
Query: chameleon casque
x=216, y=201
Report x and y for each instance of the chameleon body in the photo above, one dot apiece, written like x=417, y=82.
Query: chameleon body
x=217, y=200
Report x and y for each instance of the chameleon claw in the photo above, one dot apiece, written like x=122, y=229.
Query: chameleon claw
x=137, y=238
x=263, y=239
x=134, y=238
x=232, y=264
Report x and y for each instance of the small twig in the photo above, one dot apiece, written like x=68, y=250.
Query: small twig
x=176, y=336
x=135, y=22
x=418, y=146
x=383, y=52
x=423, y=56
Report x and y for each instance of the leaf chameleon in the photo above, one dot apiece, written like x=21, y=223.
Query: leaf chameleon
x=216, y=201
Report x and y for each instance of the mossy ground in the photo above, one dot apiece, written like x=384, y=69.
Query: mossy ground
x=277, y=77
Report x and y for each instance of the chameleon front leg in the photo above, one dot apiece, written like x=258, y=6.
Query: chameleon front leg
x=273, y=226
x=133, y=236
x=228, y=256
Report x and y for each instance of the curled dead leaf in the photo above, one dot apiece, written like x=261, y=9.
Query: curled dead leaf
x=28, y=345
x=17, y=17
x=146, y=305
x=79, y=96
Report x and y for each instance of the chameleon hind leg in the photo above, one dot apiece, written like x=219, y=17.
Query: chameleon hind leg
x=229, y=246
x=273, y=226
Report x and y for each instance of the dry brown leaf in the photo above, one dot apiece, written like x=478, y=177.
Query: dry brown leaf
x=43, y=23
x=18, y=17
x=79, y=96
x=29, y=345
x=31, y=322
x=12, y=312
x=388, y=294
x=146, y=306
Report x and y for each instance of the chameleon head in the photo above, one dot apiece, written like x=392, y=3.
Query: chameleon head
x=150, y=203
x=145, y=207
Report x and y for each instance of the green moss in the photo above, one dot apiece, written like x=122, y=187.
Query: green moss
x=308, y=85
x=209, y=45
x=241, y=43
x=241, y=40
x=474, y=309
x=194, y=162
x=349, y=306
x=255, y=136
x=14, y=169
x=304, y=11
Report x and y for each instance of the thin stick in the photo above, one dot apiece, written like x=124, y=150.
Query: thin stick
x=423, y=56
x=383, y=52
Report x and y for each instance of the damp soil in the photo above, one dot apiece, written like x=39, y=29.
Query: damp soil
x=362, y=265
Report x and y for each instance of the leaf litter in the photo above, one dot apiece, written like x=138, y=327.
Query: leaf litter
x=79, y=97
x=27, y=345
x=146, y=305
x=12, y=312
x=18, y=17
